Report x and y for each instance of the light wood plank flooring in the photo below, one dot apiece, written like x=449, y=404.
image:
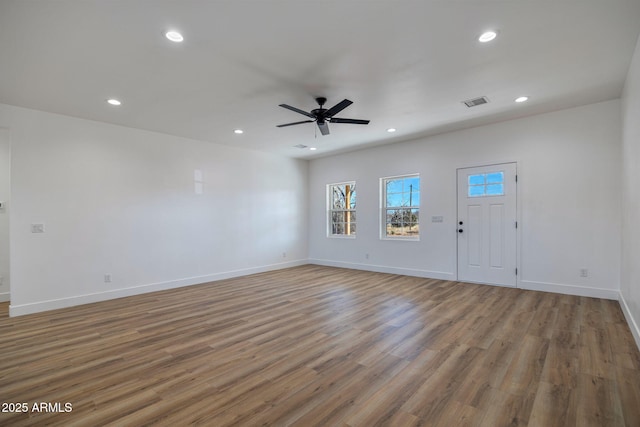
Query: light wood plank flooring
x=320, y=346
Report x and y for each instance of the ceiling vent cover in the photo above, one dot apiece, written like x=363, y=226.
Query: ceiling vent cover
x=476, y=101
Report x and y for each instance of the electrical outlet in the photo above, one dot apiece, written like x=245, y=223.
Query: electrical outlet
x=366, y=256
x=107, y=278
x=37, y=228
x=284, y=254
x=584, y=272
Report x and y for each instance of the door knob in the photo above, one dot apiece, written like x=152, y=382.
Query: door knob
x=460, y=230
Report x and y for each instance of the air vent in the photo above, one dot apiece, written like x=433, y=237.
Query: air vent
x=300, y=146
x=476, y=101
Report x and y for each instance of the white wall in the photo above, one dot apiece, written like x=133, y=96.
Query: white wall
x=630, y=280
x=121, y=201
x=569, y=199
x=5, y=192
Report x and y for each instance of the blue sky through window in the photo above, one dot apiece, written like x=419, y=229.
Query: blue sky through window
x=403, y=191
x=486, y=184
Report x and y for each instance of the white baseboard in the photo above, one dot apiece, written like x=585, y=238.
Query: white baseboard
x=633, y=325
x=443, y=275
x=429, y=274
x=5, y=296
x=580, y=291
x=36, y=307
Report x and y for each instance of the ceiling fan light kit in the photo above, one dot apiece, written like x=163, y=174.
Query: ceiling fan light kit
x=323, y=116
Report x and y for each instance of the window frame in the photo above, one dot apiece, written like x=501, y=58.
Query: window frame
x=384, y=208
x=331, y=211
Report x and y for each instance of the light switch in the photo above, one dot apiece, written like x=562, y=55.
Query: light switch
x=437, y=219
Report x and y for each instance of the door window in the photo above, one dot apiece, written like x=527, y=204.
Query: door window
x=486, y=184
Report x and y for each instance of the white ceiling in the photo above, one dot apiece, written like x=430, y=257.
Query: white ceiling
x=405, y=64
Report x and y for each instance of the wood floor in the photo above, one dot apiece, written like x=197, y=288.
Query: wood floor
x=320, y=346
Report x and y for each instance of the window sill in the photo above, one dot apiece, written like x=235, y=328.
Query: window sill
x=401, y=239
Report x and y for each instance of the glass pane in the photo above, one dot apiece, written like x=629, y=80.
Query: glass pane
x=415, y=198
x=394, y=199
x=394, y=217
x=415, y=215
x=349, y=195
x=394, y=186
x=412, y=182
x=343, y=228
x=394, y=230
x=495, y=190
x=339, y=193
x=390, y=215
x=476, y=179
x=495, y=178
x=338, y=197
x=353, y=228
x=476, y=190
x=352, y=215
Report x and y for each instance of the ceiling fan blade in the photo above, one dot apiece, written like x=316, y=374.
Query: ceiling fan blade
x=337, y=108
x=324, y=128
x=294, y=123
x=297, y=110
x=352, y=121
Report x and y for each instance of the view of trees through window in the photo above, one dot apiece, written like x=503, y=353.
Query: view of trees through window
x=401, y=206
x=342, y=209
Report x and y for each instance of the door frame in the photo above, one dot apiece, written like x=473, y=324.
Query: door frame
x=518, y=215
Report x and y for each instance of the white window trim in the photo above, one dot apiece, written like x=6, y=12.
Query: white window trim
x=328, y=212
x=383, y=209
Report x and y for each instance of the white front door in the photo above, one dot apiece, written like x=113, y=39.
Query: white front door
x=486, y=226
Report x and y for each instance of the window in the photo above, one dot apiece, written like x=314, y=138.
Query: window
x=486, y=184
x=401, y=207
x=342, y=209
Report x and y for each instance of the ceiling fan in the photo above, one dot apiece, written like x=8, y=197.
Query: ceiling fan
x=322, y=116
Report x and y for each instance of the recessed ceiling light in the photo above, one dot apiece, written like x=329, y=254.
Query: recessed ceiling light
x=238, y=131
x=174, y=36
x=487, y=36
x=114, y=101
x=312, y=148
x=522, y=99
x=391, y=130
